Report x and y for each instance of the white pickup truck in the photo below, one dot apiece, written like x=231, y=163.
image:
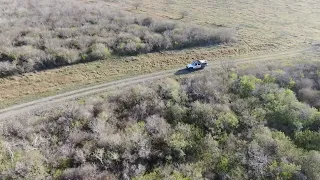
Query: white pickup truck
x=198, y=64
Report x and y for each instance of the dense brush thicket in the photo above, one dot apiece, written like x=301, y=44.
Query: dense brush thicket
x=36, y=35
x=221, y=125
x=302, y=78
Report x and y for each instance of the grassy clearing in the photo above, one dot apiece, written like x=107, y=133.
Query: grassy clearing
x=30, y=86
x=260, y=24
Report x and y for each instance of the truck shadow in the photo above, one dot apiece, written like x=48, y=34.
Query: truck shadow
x=183, y=71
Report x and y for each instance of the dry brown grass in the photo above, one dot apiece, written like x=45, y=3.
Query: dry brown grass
x=260, y=23
x=30, y=86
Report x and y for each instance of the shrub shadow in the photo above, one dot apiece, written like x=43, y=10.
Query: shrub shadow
x=183, y=71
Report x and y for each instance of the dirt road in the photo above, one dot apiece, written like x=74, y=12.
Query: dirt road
x=49, y=101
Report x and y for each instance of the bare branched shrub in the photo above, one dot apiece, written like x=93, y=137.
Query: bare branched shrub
x=310, y=96
x=157, y=127
x=226, y=35
x=137, y=4
x=184, y=14
x=77, y=136
x=7, y=68
x=194, y=127
x=257, y=160
x=84, y=172
x=305, y=83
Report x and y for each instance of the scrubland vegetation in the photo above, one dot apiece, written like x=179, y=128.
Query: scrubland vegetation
x=257, y=123
x=46, y=34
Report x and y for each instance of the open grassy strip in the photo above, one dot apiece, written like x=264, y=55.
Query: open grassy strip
x=32, y=86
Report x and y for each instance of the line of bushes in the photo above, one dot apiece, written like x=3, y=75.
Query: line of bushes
x=47, y=34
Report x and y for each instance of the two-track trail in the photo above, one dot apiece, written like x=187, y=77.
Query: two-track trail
x=48, y=101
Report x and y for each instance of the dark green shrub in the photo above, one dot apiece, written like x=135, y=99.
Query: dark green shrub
x=308, y=139
x=245, y=85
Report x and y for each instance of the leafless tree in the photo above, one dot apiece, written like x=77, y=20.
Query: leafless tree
x=137, y=4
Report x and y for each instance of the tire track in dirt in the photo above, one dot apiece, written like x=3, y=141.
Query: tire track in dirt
x=48, y=101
